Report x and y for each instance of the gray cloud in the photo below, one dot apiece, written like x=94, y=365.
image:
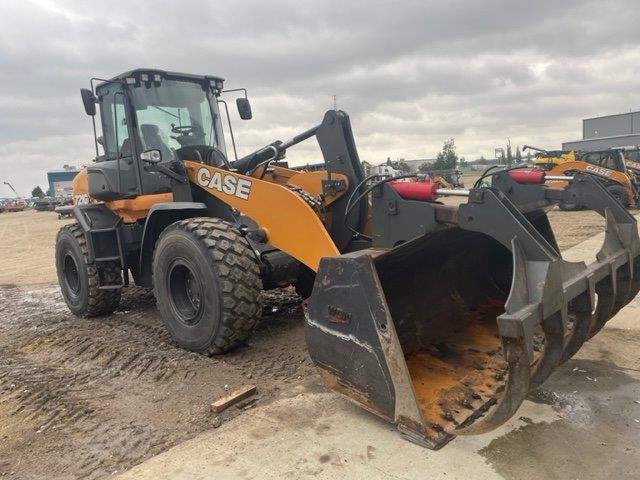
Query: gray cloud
x=410, y=73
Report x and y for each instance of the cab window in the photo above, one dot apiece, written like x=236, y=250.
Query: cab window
x=115, y=128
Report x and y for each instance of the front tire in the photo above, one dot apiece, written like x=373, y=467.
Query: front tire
x=80, y=279
x=207, y=284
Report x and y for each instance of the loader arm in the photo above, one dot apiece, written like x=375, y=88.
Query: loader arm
x=288, y=222
x=342, y=174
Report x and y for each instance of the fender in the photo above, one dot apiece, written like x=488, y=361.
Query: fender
x=160, y=216
x=99, y=223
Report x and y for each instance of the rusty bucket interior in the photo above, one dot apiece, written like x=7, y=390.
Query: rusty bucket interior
x=444, y=292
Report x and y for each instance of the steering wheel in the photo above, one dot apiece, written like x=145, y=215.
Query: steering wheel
x=185, y=130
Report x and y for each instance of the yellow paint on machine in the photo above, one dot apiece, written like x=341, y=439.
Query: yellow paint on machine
x=290, y=224
x=129, y=209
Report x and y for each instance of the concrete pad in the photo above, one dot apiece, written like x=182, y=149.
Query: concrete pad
x=320, y=435
x=591, y=432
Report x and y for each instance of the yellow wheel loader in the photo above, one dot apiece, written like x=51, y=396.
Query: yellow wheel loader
x=439, y=319
x=548, y=159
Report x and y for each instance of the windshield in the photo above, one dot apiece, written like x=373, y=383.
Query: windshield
x=174, y=115
x=608, y=159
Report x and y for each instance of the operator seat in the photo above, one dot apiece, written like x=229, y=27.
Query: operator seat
x=153, y=140
x=125, y=149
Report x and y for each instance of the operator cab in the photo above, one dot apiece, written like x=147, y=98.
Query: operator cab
x=611, y=159
x=150, y=119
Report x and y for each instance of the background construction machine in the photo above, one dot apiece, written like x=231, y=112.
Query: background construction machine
x=439, y=319
x=609, y=166
x=548, y=159
x=14, y=205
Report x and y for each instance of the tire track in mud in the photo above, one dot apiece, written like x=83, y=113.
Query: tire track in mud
x=94, y=396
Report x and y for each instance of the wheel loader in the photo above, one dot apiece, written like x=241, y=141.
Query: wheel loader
x=609, y=166
x=548, y=159
x=439, y=319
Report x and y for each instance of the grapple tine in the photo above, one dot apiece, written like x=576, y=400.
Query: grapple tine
x=605, y=291
x=613, y=250
x=516, y=390
x=581, y=311
x=553, y=330
x=618, y=286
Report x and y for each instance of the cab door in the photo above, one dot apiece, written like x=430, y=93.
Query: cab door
x=115, y=175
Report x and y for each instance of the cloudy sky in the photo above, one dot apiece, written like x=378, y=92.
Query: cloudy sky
x=409, y=73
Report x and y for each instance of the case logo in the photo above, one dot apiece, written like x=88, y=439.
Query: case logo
x=227, y=184
x=632, y=164
x=605, y=172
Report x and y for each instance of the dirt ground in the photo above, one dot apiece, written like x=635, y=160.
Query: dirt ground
x=88, y=398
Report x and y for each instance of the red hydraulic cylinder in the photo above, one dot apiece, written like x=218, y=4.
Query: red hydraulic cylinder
x=425, y=191
x=527, y=177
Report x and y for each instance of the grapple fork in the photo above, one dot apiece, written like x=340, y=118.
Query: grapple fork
x=447, y=322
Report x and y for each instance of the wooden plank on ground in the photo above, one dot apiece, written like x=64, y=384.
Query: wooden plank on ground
x=233, y=398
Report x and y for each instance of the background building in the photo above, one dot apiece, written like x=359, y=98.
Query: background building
x=598, y=133
x=60, y=181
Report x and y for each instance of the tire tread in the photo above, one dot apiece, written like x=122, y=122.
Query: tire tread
x=238, y=272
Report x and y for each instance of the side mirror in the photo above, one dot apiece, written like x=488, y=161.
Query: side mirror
x=244, y=108
x=151, y=156
x=89, y=100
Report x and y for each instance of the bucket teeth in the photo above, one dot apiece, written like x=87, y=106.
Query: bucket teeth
x=447, y=334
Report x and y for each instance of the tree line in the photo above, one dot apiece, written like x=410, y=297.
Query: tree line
x=447, y=158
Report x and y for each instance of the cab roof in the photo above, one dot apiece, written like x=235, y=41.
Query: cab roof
x=165, y=74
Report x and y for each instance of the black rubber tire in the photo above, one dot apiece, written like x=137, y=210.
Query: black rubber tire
x=222, y=269
x=81, y=289
x=620, y=194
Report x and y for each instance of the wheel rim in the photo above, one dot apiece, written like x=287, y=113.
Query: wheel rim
x=71, y=274
x=185, y=292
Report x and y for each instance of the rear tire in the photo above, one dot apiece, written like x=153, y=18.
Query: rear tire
x=620, y=194
x=207, y=284
x=80, y=279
